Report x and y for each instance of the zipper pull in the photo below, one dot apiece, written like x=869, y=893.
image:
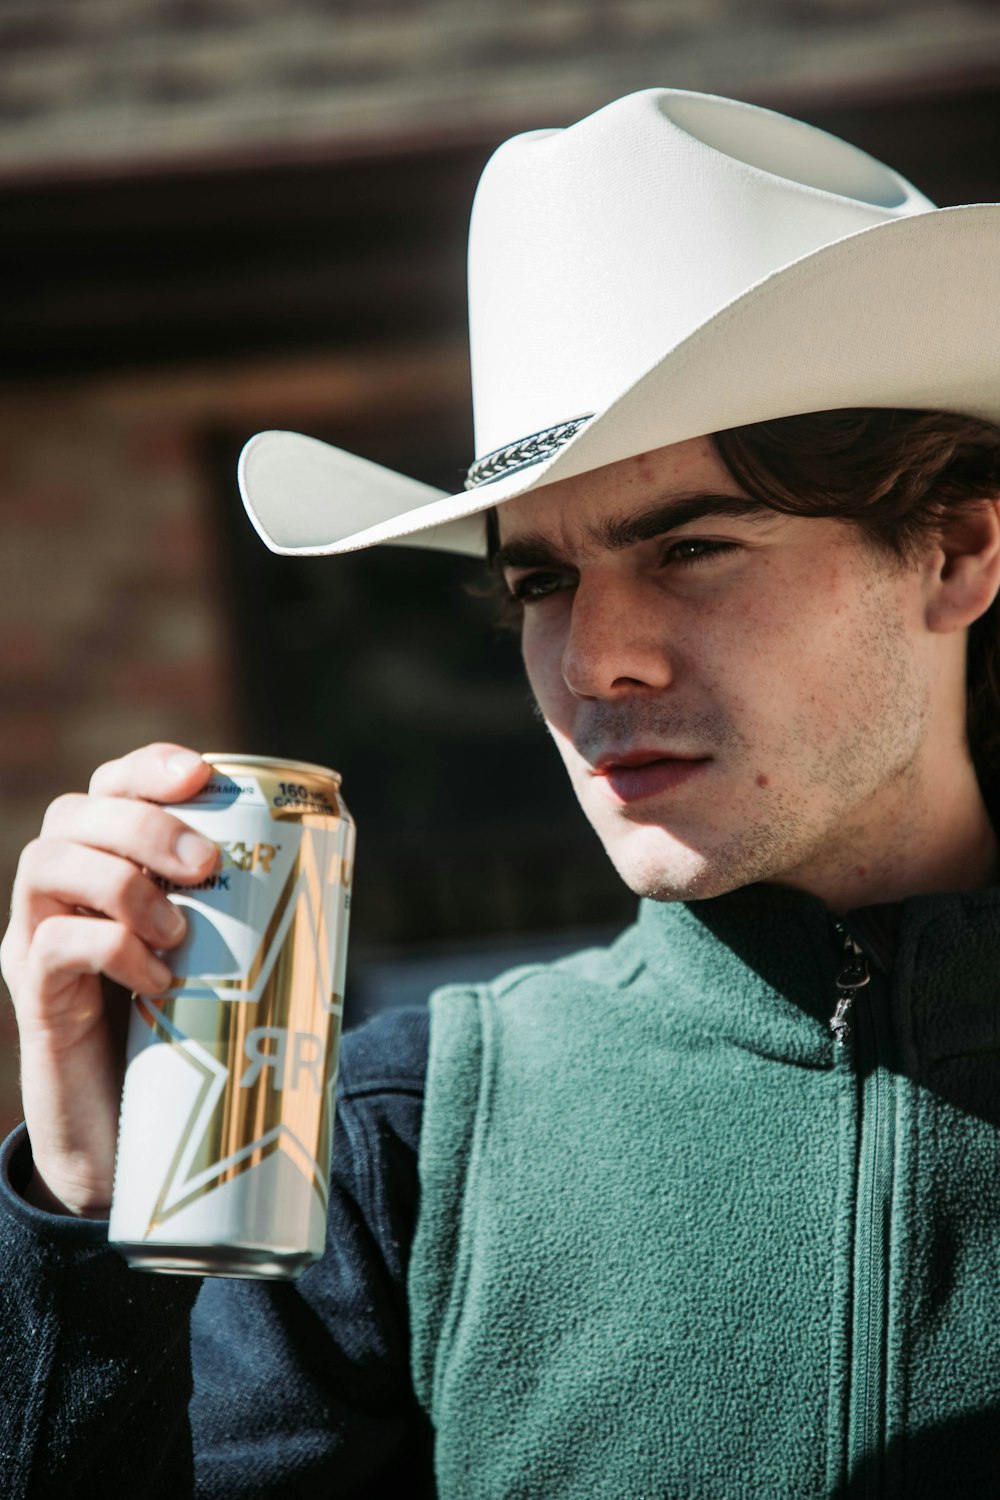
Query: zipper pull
x=853, y=977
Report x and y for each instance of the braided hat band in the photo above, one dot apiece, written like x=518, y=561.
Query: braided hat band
x=523, y=453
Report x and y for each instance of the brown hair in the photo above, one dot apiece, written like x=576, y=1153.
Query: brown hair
x=897, y=475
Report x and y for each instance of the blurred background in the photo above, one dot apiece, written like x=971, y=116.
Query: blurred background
x=223, y=215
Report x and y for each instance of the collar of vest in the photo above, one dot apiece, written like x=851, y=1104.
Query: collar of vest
x=759, y=965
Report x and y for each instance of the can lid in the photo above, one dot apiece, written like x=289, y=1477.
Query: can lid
x=220, y=758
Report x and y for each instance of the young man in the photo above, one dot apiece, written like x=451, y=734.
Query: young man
x=715, y=1211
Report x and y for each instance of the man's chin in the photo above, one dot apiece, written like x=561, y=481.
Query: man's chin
x=698, y=886
x=661, y=867
x=686, y=875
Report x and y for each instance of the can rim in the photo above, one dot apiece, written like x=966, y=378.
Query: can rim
x=220, y=758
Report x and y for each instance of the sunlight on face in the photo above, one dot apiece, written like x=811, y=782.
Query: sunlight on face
x=737, y=695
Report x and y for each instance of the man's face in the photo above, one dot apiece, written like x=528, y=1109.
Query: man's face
x=738, y=695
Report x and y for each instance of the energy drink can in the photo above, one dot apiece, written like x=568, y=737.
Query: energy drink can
x=227, y=1112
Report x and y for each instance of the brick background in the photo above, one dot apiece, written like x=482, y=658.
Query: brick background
x=169, y=79
x=109, y=633
x=113, y=624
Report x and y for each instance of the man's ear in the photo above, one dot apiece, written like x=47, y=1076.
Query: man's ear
x=964, y=572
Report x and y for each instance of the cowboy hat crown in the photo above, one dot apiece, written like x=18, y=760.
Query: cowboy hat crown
x=673, y=265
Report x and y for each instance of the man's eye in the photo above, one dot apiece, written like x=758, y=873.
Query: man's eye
x=695, y=550
x=534, y=586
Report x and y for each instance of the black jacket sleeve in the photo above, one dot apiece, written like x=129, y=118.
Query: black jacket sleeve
x=121, y=1382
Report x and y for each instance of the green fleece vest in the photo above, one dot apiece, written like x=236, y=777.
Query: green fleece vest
x=675, y=1242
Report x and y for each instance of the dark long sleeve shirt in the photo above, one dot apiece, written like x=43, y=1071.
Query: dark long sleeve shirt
x=169, y=1386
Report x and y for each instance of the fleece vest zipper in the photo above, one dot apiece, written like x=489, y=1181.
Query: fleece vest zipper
x=866, y=1046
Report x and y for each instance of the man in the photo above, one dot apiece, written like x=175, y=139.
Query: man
x=715, y=1211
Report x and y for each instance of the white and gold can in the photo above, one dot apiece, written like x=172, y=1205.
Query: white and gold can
x=227, y=1114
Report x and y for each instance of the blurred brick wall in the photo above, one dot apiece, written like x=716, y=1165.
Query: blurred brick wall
x=167, y=79
x=110, y=633
x=114, y=629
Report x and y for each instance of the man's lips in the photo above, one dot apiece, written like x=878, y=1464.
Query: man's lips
x=633, y=774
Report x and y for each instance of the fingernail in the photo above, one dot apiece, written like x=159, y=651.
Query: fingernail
x=182, y=763
x=169, y=922
x=193, y=851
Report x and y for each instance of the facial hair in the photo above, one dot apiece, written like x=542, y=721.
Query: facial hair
x=869, y=751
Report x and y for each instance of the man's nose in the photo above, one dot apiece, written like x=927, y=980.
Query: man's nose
x=618, y=640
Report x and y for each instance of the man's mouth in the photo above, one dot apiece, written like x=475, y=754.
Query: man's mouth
x=633, y=774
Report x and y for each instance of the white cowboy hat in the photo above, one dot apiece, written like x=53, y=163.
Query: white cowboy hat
x=673, y=265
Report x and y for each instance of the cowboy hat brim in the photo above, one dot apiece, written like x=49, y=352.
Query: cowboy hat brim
x=902, y=314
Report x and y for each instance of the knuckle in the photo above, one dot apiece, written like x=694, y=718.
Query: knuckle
x=8, y=961
x=45, y=864
x=104, y=775
x=32, y=856
x=30, y=876
x=49, y=942
x=60, y=808
x=29, y=864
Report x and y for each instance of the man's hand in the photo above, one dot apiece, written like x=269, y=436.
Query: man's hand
x=87, y=921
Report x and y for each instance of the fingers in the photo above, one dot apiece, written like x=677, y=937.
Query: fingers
x=95, y=852
x=137, y=831
x=159, y=773
x=65, y=947
x=60, y=876
x=85, y=905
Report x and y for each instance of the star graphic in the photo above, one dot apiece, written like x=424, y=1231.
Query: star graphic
x=264, y=1049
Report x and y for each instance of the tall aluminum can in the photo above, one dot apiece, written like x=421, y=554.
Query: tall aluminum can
x=227, y=1114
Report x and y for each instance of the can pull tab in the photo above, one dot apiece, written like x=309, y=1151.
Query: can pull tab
x=853, y=976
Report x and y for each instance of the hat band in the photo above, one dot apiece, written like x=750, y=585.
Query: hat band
x=526, y=451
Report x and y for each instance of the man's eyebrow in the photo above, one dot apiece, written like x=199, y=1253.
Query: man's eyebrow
x=665, y=515
x=532, y=550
